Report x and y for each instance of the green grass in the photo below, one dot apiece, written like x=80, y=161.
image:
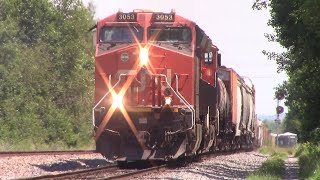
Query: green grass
x=268, y=150
x=263, y=177
x=31, y=146
x=274, y=167
x=280, y=154
x=271, y=150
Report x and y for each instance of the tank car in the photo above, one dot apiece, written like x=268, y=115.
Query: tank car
x=236, y=107
x=161, y=93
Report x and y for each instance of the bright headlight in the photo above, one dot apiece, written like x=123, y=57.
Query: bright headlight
x=117, y=101
x=167, y=100
x=144, y=56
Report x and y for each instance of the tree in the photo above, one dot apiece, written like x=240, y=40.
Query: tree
x=46, y=72
x=272, y=125
x=297, y=27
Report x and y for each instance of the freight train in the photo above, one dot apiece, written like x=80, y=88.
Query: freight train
x=161, y=92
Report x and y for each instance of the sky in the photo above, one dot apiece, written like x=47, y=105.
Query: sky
x=234, y=27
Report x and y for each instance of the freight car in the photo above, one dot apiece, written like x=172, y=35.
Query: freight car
x=161, y=92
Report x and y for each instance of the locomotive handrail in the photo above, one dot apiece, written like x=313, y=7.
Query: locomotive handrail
x=112, y=131
x=191, y=108
x=93, y=116
x=183, y=100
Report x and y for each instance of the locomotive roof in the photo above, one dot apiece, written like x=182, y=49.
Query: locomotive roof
x=112, y=17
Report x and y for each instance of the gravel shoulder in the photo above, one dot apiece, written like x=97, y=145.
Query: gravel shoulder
x=38, y=165
x=234, y=166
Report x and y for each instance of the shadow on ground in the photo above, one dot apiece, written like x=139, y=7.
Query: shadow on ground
x=75, y=164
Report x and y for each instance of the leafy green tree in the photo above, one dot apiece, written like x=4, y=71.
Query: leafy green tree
x=297, y=27
x=46, y=72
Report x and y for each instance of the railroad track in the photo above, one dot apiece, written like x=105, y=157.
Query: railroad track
x=114, y=172
x=32, y=153
x=139, y=172
x=78, y=174
x=107, y=172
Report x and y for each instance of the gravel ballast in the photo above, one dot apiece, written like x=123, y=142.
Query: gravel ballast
x=233, y=166
x=38, y=165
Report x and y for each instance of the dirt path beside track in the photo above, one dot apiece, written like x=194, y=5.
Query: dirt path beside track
x=292, y=169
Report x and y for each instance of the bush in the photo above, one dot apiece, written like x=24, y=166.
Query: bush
x=309, y=157
x=316, y=174
x=273, y=168
x=299, y=150
x=315, y=135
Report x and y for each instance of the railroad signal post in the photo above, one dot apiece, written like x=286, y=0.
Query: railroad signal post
x=279, y=110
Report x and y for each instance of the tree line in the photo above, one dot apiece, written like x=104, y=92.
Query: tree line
x=297, y=29
x=46, y=73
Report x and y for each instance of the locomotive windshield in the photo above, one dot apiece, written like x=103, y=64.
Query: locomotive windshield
x=170, y=34
x=175, y=38
x=120, y=34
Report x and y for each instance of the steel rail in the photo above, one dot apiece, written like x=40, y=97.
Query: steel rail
x=74, y=173
x=137, y=173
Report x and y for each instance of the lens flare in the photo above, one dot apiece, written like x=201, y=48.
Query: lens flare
x=168, y=100
x=144, y=56
x=117, y=101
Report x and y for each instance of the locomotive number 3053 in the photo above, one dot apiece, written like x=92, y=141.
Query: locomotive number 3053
x=164, y=17
x=126, y=17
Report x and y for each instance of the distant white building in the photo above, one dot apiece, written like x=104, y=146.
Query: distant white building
x=287, y=139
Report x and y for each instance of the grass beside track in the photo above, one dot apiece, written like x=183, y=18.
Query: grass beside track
x=270, y=150
x=308, y=155
x=274, y=167
x=30, y=146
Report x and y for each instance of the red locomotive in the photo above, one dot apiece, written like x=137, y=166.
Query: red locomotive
x=161, y=92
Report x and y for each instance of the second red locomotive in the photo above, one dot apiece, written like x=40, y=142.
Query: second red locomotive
x=161, y=92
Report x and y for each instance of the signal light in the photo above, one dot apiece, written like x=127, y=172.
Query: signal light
x=279, y=109
x=280, y=96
